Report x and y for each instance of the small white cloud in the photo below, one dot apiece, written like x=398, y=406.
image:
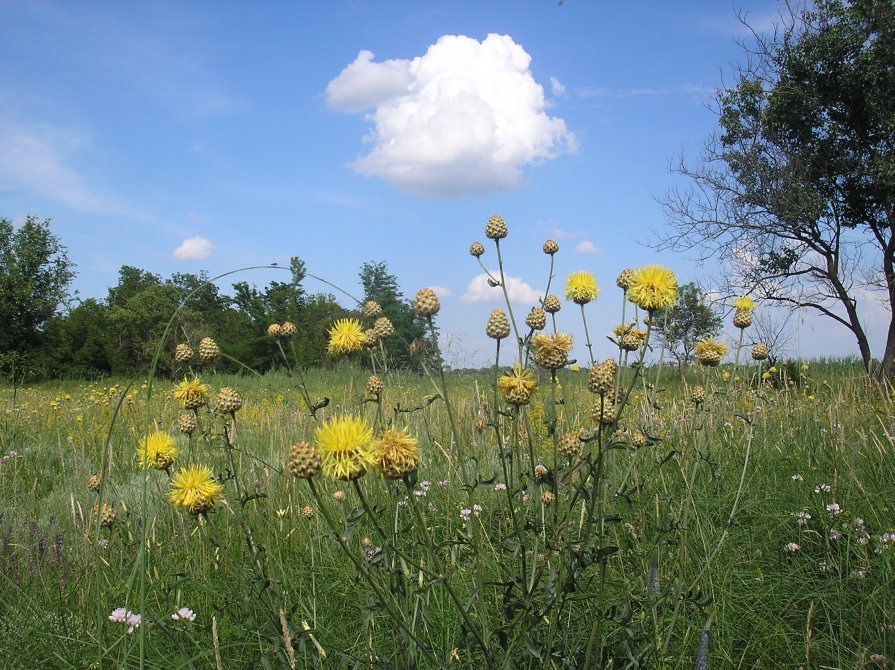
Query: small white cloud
x=560, y=234
x=558, y=89
x=193, y=249
x=442, y=291
x=587, y=247
x=519, y=291
x=465, y=117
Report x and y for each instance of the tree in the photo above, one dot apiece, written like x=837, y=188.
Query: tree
x=381, y=286
x=796, y=195
x=35, y=274
x=691, y=319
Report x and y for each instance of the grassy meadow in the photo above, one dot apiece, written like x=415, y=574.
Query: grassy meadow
x=754, y=530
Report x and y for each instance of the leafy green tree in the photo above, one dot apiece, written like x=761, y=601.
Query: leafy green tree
x=692, y=319
x=75, y=343
x=35, y=274
x=797, y=191
x=382, y=286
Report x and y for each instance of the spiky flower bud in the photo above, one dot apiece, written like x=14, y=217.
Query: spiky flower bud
x=601, y=378
x=186, y=423
x=304, y=461
x=372, y=309
x=536, y=319
x=760, y=352
x=183, y=353
x=107, y=515
x=228, y=401
x=476, y=249
x=624, y=279
x=570, y=444
x=697, y=395
x=426, y=303
x=498, y=326
x=208, y=350
x=288, y=329
x=552, y=304
x=308, y=512
x=604, y=412
x=274, y=330
x=550, y=247
x=383, y=328
x=742, y=318
x=548, y=497
x=496, y=228
x=375, y=386
x=93, y=483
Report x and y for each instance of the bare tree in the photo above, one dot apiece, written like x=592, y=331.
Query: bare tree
x=796, y=193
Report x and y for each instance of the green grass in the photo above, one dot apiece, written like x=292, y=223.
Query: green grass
x=829, y=604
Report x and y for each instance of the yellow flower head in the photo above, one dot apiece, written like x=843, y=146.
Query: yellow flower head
x=517, y=386
x=194, y=490
x=346, y=336
x=709, y=352
x=551, y=351
x=345, y=447
x=653, y=287
x=157, y=451
x=191, y=393
x=745, y=303
x=581, y=288
x=396, y=454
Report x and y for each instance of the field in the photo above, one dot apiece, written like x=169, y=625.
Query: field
x=754, y=529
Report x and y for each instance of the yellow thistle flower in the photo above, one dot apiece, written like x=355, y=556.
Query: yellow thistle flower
x=551, y=351
x=191, y=393
x=709, y=353
x=345, y=447
x=157, y=451
x=745, y=303
x=581, y=288
x=518, y=384
x=346, y=336
x=653, y=287
x=396, y=454
x=194, y=489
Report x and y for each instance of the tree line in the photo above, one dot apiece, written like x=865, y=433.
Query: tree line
x=45, y=333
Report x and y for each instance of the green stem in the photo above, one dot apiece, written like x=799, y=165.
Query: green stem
x=590, y=349
x=436, y=563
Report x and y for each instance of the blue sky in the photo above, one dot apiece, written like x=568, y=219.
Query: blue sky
x=180, y=137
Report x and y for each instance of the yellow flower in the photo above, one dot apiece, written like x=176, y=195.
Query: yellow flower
x=709, y=352
x=194, y=489
x=157, y=451
x=766, y=375
x=575, y=368
x=191, y=393
x=745, y=303
x=551, y=351
x=772, y=369
x=653, y=287
x=517, y=386
x=345, y=447
x=346, y=336
x=811, y=397
x=581, y=288
x=725, y=375
x=397, y=454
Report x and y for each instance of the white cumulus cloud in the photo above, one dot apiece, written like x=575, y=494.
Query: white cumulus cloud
x=518, y=290
x=466, y=117
x=587, y=247
x=193, y=249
